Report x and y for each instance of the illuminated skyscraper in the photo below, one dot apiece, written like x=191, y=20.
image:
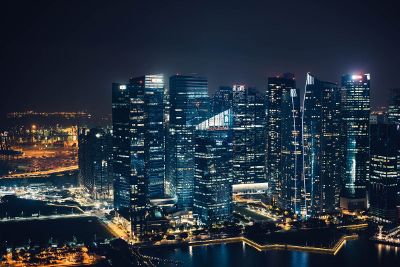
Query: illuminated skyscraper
x=189, y=105
x=355, y=115
x=321, y=124
x=138, y=146
x=153, y=86
x=95, y=162
x=213, y=169
x=222, y=99
x=394, y=106
x=284, y=152
x=384, y=172
x=121, y=147
x=248, y=135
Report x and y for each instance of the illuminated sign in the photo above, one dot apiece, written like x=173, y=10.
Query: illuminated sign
x=122, y=87
x=293, y=93
x=237, y=88
x=355, y=77
x=157, y=80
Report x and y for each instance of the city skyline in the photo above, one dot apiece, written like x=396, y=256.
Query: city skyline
x=199, y=133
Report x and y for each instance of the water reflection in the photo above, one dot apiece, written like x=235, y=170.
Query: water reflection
x=299, y=259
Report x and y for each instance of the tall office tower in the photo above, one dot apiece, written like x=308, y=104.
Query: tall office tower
x=121, y=148
x=222, y=99
x=153, y=86
x=213, y=169
x=284, y=152
x=384, y=172
x=95, y=162
x=394, y=106
x=248, y=136
x=355, y=118
x=138, y=146
x=189, y=105
x=321, y=146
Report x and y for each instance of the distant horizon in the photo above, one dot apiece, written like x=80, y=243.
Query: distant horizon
x=375, y=105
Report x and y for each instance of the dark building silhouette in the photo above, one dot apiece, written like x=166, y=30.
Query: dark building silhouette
x=95, y=162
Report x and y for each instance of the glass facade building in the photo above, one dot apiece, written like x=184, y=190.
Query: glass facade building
x=213, y=169
x=321, y=123
x=222, y=99
x=153, y=86
x=284, y=139
x=248, y=135
x=394, y=106
x=384, y=172
x=138, y=146
x=355, y=119
x=189, y=105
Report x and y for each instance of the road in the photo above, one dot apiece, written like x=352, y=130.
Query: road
x=42, y=173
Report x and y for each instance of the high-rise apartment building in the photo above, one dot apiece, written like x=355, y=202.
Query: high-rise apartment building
x=95, y=162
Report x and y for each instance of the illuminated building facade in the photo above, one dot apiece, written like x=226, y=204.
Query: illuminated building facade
x=213, y=169
x=355, y=119
x=222, y=99
x=321, y=123
x=189, y=105
x=394, y=106
x=284, y=139
x=95, y=162
x=153, y=86
x=248, y=135
x=384, y=172
x=138, y=146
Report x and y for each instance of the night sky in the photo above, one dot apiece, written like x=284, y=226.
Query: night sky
x=64, y=55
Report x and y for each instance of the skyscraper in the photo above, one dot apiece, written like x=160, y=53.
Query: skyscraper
x=121, y=147
x=321, y=122
x=189, y=105
x=138, y=146
x=384, y=172
x=284, y=151
x=222, y=99
x=213, y=169
x=394, y=106
x=95, y=162
x=153, y=86
x=355, y=118
x=248, y=135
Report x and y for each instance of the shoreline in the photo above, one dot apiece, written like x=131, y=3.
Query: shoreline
x=333, y=250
